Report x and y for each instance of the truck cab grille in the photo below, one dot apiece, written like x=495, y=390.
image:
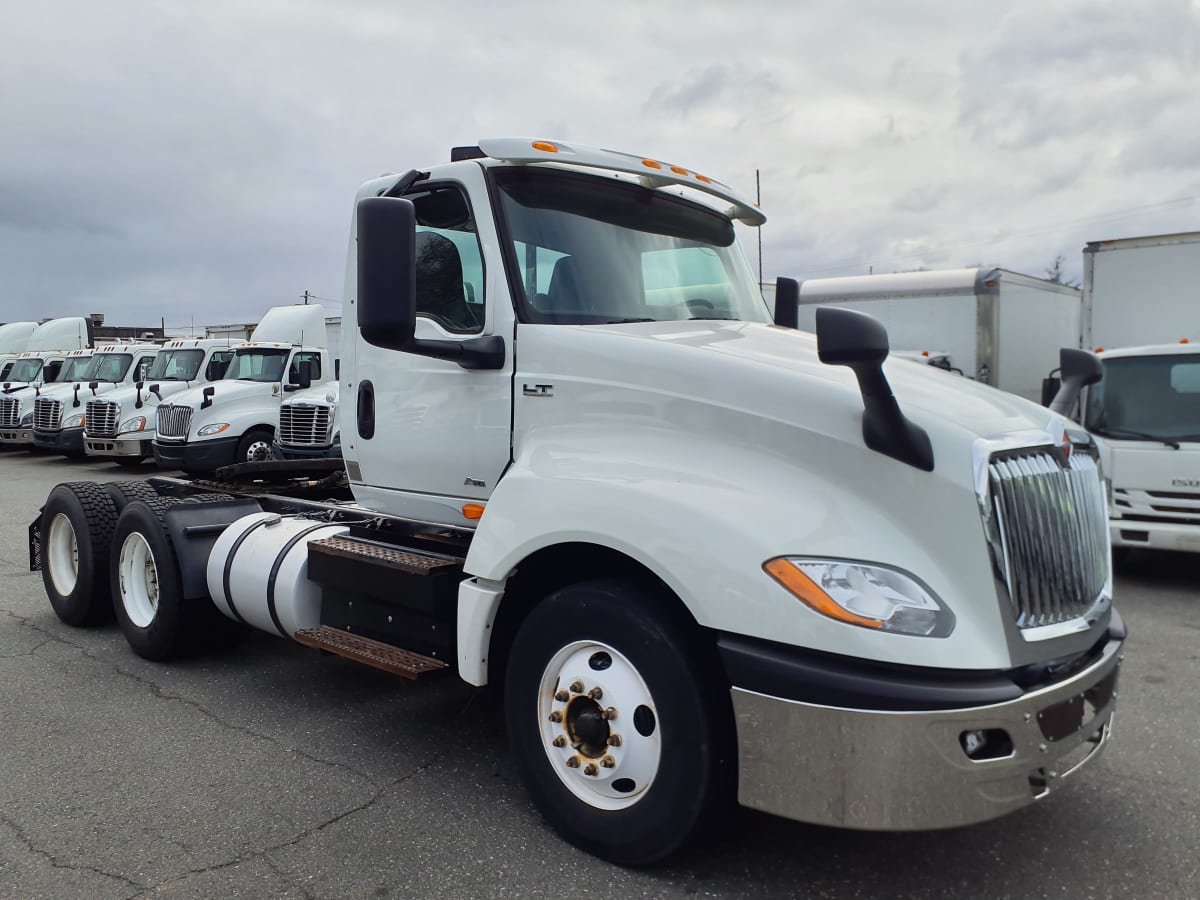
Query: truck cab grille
x=304, y=425
x=47, y=414
x=1171, y=507
x=101, y=419
x=1048, y=528
x=174, y=422
x=10, y=412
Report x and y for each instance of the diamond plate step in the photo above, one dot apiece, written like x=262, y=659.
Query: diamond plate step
x=411, y=562
x=370, y=653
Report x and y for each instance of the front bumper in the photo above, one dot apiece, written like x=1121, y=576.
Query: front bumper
x=124, y=447
x=16, y=435
x=68, y=440
x=199, y=456
x=904, y=769
x=333, y=451
x=1152, y=535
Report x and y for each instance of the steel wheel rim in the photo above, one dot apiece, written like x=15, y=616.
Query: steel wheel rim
x=259, y=451
x=609, y=766
x=63, y=555
x=138, y=580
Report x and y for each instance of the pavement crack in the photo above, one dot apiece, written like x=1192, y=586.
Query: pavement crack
x=57, y=863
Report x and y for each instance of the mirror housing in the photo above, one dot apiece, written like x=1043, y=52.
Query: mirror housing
x=303, y=377
x=387, y=290
x=846, y=337
x=787, y=302
x=1078, y=369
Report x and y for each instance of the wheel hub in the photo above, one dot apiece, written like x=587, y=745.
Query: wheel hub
x=587, y=729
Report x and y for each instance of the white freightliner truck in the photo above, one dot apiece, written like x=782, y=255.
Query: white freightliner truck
x=308, y=424
x=1140, y=307
x=998, y=327
x=43, y=362
x=587, y=468
x=14, y=337
x=120, y=426
x=59, y=413
x=233, y=420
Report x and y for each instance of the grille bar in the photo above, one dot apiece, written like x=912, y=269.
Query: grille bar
x=101, y=421
x=1053, y=534
x=173, y=422
x=10, y=412
x=47, y=414
x=304, y=425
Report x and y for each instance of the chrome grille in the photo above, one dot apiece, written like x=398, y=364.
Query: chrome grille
x=101, y=419
x=10, y=412
x=1172, y=507
x=47, y=414
x=173, y=422
x=304, y=425
x=1051, y=533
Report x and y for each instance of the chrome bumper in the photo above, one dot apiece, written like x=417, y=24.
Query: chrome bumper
x=16, y=435
x=902, y=771
x=116, y=446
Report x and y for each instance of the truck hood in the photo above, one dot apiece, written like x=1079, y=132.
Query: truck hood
x=226, y=392
x=126, y=395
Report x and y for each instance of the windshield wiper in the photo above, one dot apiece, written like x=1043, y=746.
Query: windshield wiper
x=627, y=321
x=712, y=318
x=1126, y=432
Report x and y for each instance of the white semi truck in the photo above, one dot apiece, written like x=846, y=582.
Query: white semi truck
x=58, y=353
x=587, y=468
x=233, y=420
x=59, y=413
x=14, y=337
x=308, y=424
x=120, y=426
x=998, y=327
x=1140, y=309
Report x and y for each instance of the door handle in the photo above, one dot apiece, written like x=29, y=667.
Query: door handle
x=366, y=410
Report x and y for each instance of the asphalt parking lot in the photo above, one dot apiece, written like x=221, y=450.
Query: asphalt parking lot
x=265, y=770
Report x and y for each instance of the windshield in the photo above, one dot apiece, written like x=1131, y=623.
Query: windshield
x=257, y=364
x=75, y=369
x=1153, y=397
x=108, y=367
x=592, y=250
x=175, y=365
x=25, y=370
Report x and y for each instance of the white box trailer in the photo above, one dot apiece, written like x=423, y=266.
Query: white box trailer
x=996, y=326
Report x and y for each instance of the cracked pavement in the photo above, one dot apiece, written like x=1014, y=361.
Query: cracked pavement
x=266, y=770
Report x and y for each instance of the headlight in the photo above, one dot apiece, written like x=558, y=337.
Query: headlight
x=137, y=423
x=863, y=594
x=214, y=428
x=73, y=421
x=26, y=420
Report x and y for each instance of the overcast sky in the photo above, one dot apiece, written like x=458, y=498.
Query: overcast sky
x=198, y=160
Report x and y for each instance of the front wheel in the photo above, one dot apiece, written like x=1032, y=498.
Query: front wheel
x=619, y=721
x=255, y=446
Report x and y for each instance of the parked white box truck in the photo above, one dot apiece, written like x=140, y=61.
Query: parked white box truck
x=587, y=468
x=1141, y=305
x=996, y=326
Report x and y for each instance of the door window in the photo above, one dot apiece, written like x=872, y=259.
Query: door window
x=449, y=276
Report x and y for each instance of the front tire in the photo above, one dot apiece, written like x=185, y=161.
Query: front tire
x=619, y=721
x=255, y=446
x=77, y=529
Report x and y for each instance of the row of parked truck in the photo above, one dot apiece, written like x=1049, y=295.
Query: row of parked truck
x=194, y=404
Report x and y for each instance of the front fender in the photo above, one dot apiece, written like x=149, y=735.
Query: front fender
x=705, y=515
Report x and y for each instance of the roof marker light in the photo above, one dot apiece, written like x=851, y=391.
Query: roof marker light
x=704, y=178
x=544, y=146
x=651, y=164
x=1184, y=341
x=680, y=170
x=1099, y=349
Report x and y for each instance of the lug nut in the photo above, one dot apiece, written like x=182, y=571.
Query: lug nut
x=562, y=696
x=573, y=762
x=590, y=769
x=608, y=762
x=560, y=741
x=614, y=740
x=576, y=687
x=595, y=693
x=556, y=716
x=609, y=713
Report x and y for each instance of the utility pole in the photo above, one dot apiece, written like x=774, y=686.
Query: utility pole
x=306, y=298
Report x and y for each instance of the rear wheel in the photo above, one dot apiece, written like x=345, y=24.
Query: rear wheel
x=619, y=721
x=146, y=586
x=76, y=529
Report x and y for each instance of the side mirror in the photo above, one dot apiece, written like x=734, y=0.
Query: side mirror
x=387, y=291
x=787, y=302
x=303, y=377
x=846, y=337
x=1079, y=369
